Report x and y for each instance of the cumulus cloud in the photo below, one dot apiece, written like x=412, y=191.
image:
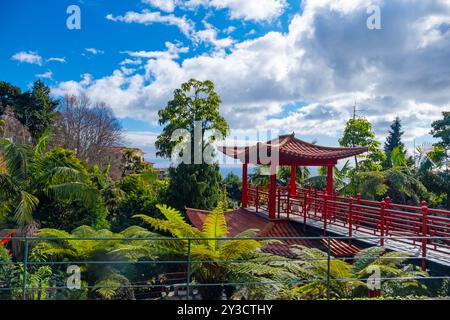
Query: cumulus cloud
x=148, y=17
x=307, y=79
x=186, y=26
x=45, y=75
x=256, y=10
x=164, y=5
x=28, y=57
x=173, y=52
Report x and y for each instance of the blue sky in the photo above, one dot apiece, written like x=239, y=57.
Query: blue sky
x=278, y=64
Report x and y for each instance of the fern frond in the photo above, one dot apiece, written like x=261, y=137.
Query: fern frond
x=215, y=226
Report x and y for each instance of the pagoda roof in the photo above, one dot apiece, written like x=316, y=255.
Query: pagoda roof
x=292, y=151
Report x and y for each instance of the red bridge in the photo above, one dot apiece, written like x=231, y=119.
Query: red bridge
x=423, y=231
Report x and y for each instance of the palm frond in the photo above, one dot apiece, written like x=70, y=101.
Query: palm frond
x=23, y=213
x=74, y=191
x=41, y=145
x=8, y=186
x=16, y=157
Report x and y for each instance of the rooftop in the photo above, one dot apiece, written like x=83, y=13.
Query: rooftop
x=240, y=220
x=291, y=151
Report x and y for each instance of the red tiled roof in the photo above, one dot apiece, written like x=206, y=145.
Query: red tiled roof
x=240, y=220
x=292, y=150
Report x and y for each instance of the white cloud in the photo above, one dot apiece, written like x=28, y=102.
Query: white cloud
x=307, y=79
x=46, y=75
x=229, y=29
x=256, y=10
x=129, y=61
x=186, y=26
x=93, y=51
x=61, y=60
x=164, y=5
x=173, y=52
x=148, y=17
x=28, y=57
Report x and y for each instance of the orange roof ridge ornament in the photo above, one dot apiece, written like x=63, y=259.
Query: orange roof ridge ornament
x=291, y=151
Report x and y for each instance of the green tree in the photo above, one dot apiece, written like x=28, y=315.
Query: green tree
x=233, y=187
x=31, y=176
x=359, y=132
x=194, y=101
x=35, y=109
x=194, y=185
x=8, y=95
x=138, y=195
x=393, y=140
x=441, y=131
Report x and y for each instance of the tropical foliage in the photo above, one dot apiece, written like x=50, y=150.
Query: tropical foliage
x=216, y=261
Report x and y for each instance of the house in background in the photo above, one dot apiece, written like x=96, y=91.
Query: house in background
x=124, y=160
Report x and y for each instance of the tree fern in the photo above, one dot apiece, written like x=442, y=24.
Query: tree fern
x=215, y=226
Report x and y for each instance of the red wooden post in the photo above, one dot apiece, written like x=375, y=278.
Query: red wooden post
x=330, y=180
x=325, y=213
x=386, y=215
x=244, y=197
x=315, y=202
x=293, y=185
x=358, y=212
x=350, y=221
x=383, y=207
x=272, y=193
x=257, y=199
x=278, y=203
x=424, y=234
x=330, y=190
x=305, y=207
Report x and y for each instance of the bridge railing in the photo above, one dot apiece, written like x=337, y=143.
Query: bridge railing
x=357, y=215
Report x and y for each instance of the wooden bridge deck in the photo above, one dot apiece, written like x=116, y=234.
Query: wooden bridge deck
x=363, y=235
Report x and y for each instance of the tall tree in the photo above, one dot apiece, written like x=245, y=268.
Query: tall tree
x=441, y=131
x=394, y=140
x=441, y=177
x=8, y=95
x=359, y=132
x=194, y=101
x=35, y=109
x=88, y=129
x=193, y=185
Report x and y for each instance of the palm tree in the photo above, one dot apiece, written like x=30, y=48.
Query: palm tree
x=106, y=279
x=216, y=261
x=30, y=174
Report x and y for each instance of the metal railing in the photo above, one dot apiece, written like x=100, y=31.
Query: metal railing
x=356, y=215
x=186, y=263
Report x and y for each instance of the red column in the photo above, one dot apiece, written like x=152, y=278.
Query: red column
x=244, y=197
x=424, y=234
x=330, y=180
x=272, y=192
x=293, y=186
